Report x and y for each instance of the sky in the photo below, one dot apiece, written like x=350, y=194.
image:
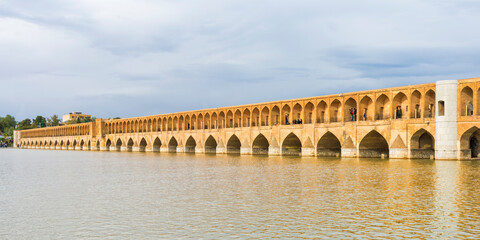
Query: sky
x=125, y=58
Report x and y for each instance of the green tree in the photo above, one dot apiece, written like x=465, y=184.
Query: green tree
x=25, y=124
x=55, y=120
x=40, y=122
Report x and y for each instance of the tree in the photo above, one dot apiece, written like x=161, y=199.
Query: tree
x=25, y=124
x=40, y=122
x=53, y=121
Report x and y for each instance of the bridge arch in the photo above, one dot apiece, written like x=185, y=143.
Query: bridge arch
x=329, y=146
x=286, y=118
x=422, y=144
x=321, y=112
x=276, y=116
x=292, y=146
x=67, y=145
x=308, y=113
x=210, y=145
x=430, y=100
x=82, y=143
x=335, y=110
x=373, y=145
x=233, y=145
x=156, y=145
x=142, y=145
x=264, y=118
x=400, y=101
x=296, y=114
x=260, y=145
x=237, y=118
x=89, y=145
x=130, y=144
x=118, y=145
x=350, y=105
x=255, y=117
x=190, y=145
x=172, y=145
x=382, y=107
x=415, y=104
x=108, y=144
x=366, y=111
x=470, y=143
x=466, y=102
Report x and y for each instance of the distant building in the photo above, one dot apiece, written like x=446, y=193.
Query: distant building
x=75, y=116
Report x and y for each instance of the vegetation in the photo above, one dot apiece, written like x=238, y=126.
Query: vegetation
x=8, y=123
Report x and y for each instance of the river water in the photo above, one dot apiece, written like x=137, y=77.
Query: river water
x=111, y=195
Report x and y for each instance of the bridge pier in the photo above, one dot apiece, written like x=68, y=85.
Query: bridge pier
x=349, y=152
x=246, y=151
x=274, y=151
x=221, y=150
x=180, y=149
x=398, y=153
x=308, y=152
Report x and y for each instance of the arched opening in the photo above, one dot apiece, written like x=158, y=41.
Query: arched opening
x=221, y=120
x=143, y=145
x=180, y=123
x=81, y=144
x=233, y=145
x=210, y=145
x=350, y=110
x=335, y=111
x=308, y=113
x=118, y=146
x=89, y=145
x=200, y=121
x=470, y=143
x=422, y=145
x=275, y=116
x=229, y=119
x=255, y=117
x=74, y=145
x=170, y=124
x=291, y=146
x=373, y=145
x=400, y=104
x=415, y=101
x=129, y=145
x=98, y=145
x=329, y=146
x=264, y=117
x=246, y=118
x=156, y=145
x=429, y=108
x=466, y=102
x=108, y=144
x=297, y=114
x=206, y=123
x=260, y=145
x=193, y=122
x=321, y=110
x=187, y=123
x=175, y=123
x=172, y=145
x=382, y=108
x=67, y=146
x=366, y=109
x=214, y=121
x=190, y=145
x=238, y=119
x=286, y=118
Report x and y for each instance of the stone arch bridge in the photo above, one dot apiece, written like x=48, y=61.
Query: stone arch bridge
x=438, y=120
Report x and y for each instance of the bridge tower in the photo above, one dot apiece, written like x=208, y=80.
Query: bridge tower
x=446, y=120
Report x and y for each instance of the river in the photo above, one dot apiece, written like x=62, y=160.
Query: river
x=110, y=195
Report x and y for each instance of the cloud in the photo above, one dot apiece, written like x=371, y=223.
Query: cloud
x=133, y=58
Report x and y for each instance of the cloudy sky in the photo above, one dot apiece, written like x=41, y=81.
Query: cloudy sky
x=134, y=58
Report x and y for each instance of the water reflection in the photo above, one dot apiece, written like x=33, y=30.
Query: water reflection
x=64, y=194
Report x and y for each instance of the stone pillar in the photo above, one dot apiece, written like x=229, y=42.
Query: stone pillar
x=199, y=150
x=180, y=149
x=446, y=124
x=274, y=151
x=246, y=150
x=164, y=149
x=135, y=149
x=308, y=152
x=221, y=150
x=349, y=152
x=398, y=153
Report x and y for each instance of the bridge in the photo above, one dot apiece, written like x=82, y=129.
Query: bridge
x=438, y=120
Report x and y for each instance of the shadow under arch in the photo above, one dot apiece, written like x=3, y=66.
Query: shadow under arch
x=470, y=143
x=422, y=144
x=329, y=146
x=210, y=145
x=373, y=145
x=292, y=146
x=172, y=145
x=190, y=145
x=260, y=145
x=233, y=145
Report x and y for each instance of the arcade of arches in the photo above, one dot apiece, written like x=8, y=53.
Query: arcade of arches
x=395, y=122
